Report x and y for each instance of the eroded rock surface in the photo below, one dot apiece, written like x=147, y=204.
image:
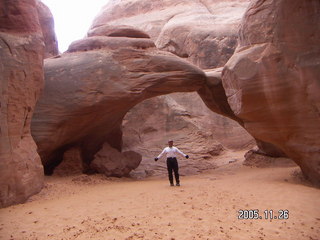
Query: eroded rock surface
x=254, y=158
x=272, y=81
x=72, y=163
x=195, y=129
x=21, y=80
x=214, y=96
x=112, y=163
x=204, y=32
x=118, y=31
x=88, y=92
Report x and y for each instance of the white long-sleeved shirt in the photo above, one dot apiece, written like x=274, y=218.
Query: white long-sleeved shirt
x=171, y=152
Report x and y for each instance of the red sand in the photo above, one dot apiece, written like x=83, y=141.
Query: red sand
x=205, y=207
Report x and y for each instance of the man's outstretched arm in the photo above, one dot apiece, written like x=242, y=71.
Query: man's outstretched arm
x=185, y=155
x=160, y=155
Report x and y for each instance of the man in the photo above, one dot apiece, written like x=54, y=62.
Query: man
x=172, y=163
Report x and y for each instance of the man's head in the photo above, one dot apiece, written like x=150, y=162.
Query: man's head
x=170, y=143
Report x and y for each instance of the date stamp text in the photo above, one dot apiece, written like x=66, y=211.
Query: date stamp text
x=269, y=214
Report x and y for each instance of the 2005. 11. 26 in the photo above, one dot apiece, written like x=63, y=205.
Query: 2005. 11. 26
x=267, y=214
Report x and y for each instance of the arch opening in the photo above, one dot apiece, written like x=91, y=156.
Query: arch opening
x=195, y=129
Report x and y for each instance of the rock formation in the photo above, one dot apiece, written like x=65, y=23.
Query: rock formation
x=89, y=91
x=214, y=96
x=113, y=163
x=202, y=32
x=71, y=164
x=21, y=80
x=195, y=129
x=278, y=53
x=269, y=86
x=272, y=81
x=47, y=26
x=254, y=158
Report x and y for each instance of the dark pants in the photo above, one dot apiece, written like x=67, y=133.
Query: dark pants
x=172, y=164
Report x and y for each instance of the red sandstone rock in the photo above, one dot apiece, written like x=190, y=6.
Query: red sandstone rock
x=112, y=43
x=214, y=96
x=47, y=26
x=196, y=130
x=71, y=164
x=204, y=32
x=113, y=163
x=119, y=31
x=255, y=159
x=272, y=81
x=87, y=94
x=21, y=79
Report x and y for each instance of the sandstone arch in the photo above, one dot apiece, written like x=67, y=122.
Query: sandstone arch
x=88, y=92
x=278, y=54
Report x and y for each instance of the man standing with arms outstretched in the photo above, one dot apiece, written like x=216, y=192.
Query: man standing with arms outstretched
x=172, y=163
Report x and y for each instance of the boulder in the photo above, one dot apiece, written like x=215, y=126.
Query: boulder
x=88, y=92
x=112, y=163
x=72, y=163
x=272, y=80
x=21, y=80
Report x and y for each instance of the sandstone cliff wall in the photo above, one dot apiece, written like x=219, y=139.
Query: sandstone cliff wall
x=21, y=80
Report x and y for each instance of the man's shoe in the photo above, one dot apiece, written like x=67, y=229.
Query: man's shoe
x=171, y=184
x=178, y=184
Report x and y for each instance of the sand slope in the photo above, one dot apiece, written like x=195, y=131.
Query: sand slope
x=204, y=207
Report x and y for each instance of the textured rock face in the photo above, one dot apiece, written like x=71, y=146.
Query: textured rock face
x=119, y=31
x=196, y=130
x=272, y=81
x=47, y=26
x=87, y=94
x=113, y=163
x=204, y=32
x=255, y=159
x=214, y=96
x=21, y=79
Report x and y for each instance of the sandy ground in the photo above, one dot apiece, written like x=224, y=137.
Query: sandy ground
x=206, y=206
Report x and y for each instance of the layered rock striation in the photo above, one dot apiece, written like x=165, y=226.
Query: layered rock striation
x=203, y=32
